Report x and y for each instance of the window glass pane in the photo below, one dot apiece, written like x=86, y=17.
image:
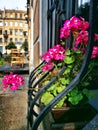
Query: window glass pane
x=6, y=23
x=16, y=32
x=11, y=23
x=0, y=32
x=0, y=15
x=26, y=25
x=21, y=32
x=21, y=24
x=20, y=16
x=1, y=24
x=11, y=15
x=16, y=24
x=16, y=39
x=16, y=16
x=20, y=39
x=0, y=39
x=11, y=31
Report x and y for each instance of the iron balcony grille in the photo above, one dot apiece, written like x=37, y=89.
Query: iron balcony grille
x=36, y=116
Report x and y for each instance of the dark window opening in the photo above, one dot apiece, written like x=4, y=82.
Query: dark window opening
x=0, y=39
x=20, y=16
x=0, y=32
x=16, y=16
x=11, y=32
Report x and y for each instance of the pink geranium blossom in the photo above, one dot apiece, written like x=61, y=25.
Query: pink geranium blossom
x=95, y=37
x=55, y=53
x=12, y=81
x=82, y=38
x=47, y=67
x=94, y=52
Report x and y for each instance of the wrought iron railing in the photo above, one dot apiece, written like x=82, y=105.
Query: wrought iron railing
x=36, y=113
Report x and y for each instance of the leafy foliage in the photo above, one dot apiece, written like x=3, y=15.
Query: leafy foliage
x=58, y=57
x=25, y=45
x=11, y=45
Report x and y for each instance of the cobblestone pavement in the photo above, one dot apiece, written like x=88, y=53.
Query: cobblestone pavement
x=13, y=109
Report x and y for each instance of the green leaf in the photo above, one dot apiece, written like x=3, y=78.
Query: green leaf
x=67, y=71
x=60, y=88
x=75, y=99
x=46, y=98
x=74, y=92
x=54, y=92
x=89, y=93
x=45, y=82
x=60, y=103
x=85, y=84
x=52, y=87
x=59, y=64
x=78, y=52
x=69, y=60
x=68, y=52
x=64, y=81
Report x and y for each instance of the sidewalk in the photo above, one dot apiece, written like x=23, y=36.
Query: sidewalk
x=15, y=68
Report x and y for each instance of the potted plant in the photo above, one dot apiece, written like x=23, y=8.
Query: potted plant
x=75, y=29
x=12, y=81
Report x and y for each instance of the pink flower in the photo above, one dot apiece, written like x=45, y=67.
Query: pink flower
x=94, y=52
x=82, y=38
x=85, y=25
x=55, y=53
x=13, y=88
x=75, y=23
x=95, y=37
x=13, y=81
x=47, y=67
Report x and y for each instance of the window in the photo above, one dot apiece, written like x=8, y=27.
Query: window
x=25, y=33
x=16, y=16
x=16, y=24
x=21, y=32
x=20, y=16
x=16, y=32
x=16, y=39
x=11, y=15
x=0, y=32
x=11, y=39
x=6, y=23
x=11, y=24
x=11, y=32
x=20, y=39
x=26, y=25
x=0, y=39
x=1, y=24
x=21, y=24
x=1, y=48
x=0, y=15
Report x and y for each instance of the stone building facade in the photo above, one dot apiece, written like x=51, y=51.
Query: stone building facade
x=13, y=27
x=37, y=30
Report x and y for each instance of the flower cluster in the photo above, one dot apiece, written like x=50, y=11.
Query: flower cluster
x=78, y=28
x=56, y=53
x=94, y=52
x=75, y=25
x=75, y=32
x=12, y=81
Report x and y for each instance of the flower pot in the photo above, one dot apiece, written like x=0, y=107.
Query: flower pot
x=73, y=114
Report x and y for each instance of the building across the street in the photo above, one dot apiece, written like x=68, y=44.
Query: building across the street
x=13, y=28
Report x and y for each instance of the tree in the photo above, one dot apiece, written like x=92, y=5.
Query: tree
x=11, y=45
x=25, y=45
